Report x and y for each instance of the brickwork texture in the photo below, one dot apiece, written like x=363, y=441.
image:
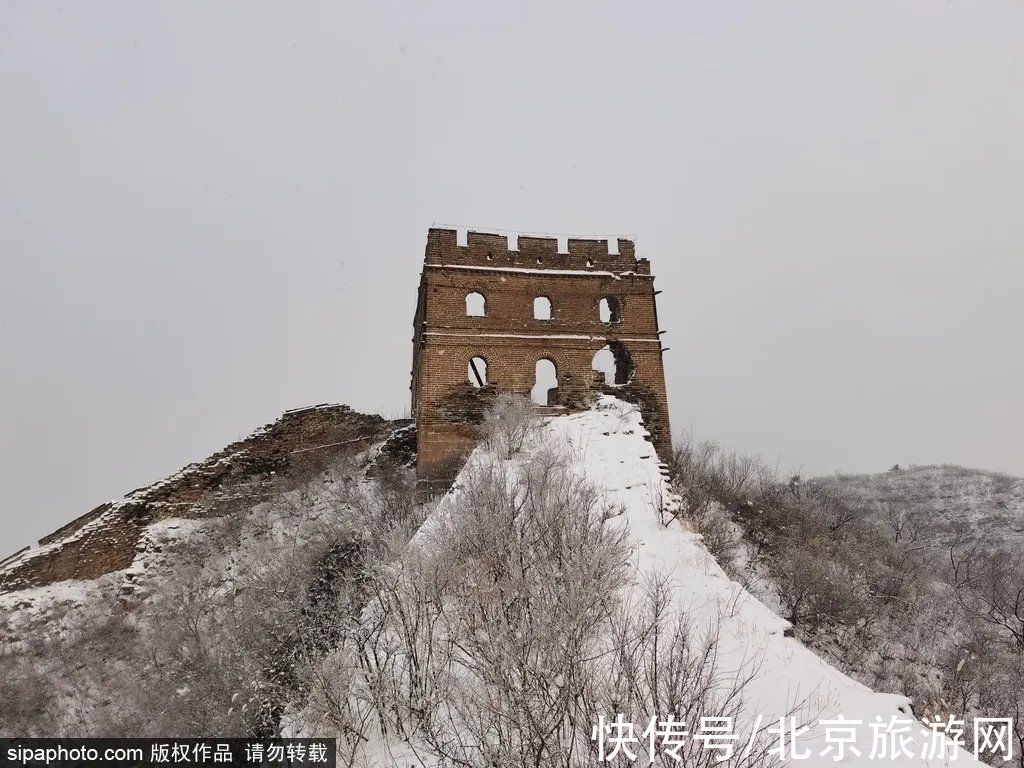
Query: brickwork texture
x=510, y=273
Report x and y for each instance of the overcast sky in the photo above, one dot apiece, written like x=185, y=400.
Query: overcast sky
x=213, y=212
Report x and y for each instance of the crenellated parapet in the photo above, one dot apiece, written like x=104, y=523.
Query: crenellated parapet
x=486, y=249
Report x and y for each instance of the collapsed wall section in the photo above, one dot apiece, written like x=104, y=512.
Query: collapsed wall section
x=240, y=476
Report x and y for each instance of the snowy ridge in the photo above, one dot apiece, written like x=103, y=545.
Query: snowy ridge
x=788, y=679
x=115, y=506
x=66, y=602
x=244, y=473
x=63, y=605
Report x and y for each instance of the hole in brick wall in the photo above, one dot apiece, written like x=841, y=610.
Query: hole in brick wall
x=542, y=308
x=545, y=387
x=610, y=310
x=615, y=362
x=604, y=363
x=462, y=238
x=590, y=263
x=476, y=304
x=613, y=246
x=477, y=372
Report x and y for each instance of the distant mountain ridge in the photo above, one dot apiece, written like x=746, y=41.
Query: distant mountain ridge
x=949, y=498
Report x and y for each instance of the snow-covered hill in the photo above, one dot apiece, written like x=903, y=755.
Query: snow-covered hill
x=294, y=618
x=781, y=677
x=951, y=498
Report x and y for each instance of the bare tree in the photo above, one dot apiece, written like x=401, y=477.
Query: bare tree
x=989, y=585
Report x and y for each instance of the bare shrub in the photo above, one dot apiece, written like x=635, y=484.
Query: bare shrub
x=508, y=423
x=722, y=537
x=707, y=473
x=990, y=586
x=52, y=682
x=237, y=648
x=871, y=585
x=659, y=664
x=709, y=480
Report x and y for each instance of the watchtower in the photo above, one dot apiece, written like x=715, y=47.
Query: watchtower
x=512, y=313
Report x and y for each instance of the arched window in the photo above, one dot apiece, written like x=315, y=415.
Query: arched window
x=542, y=308
x=610, y=310
x=545, y=387
x=614, y=361
x=476, y=304
x=477, y=372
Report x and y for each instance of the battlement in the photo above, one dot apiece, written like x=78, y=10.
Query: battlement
x=483, y=249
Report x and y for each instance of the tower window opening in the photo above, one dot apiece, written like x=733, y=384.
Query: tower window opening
x=542, y=308
x=545, y=387
x=477, y=372
x=476, y=305
x=610, y=310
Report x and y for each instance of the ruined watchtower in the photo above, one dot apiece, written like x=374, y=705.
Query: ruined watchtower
x=507, y=313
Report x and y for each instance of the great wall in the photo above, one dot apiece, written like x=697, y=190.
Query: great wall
x=492, y=315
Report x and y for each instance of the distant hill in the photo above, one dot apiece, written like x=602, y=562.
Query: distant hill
x=943, y=498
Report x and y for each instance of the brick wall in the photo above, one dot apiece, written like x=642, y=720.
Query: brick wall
x=448, y=408
x=245, y=473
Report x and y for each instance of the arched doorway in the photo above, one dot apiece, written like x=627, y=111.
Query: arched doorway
x=476, y=371
x=542, y=308
x=476, y=305
x=545, y=386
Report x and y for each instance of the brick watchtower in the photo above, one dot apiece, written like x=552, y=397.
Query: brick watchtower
x=514, y=314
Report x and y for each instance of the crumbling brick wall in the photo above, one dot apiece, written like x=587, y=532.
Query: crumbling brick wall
x=243, y=474
x=445, y=403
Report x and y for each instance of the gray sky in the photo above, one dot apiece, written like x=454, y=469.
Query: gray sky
x=212, y=212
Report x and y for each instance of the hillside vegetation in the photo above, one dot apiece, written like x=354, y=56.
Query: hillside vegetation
x=912, y=581
x=947, y=500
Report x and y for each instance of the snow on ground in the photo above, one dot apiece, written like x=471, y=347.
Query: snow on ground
x=610, y=448
x=789, y=679
x=63, y=605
